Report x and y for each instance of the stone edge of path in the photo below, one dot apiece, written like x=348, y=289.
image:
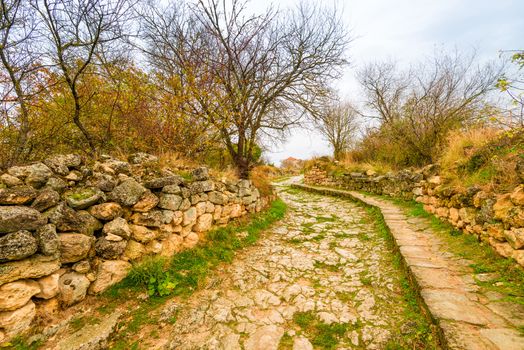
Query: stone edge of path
x=452, y=331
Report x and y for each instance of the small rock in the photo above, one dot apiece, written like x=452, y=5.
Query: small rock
x=170, y=201
x=47, y=240
x=11, y=180
x=74, y=247
x=128, y=193
x=201, y=186
x=109, y=273
x=204, y=223
x=46, y=199
x=134, y=250
x=84, y=197
x=142, y=234
x=17, y=195
x=17, y=245
x=117, y=227
x=147, y=202
x=66, y=219
x=142, y=158
x=56, y=184
x=200, y=174
x=14, y=295
x=73, y=288
x=190, y=216
x=17, y=321
x=160, y=182
x=301, y=343
x=106, y=211
x=15, y=218
x=109, y=249
x=264, y=338
x=48, y=286
x=82, y=266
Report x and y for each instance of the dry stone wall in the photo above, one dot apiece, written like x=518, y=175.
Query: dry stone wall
x=495, y=218
x=68, y=229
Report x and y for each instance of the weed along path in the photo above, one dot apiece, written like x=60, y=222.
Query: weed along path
x=324, y=277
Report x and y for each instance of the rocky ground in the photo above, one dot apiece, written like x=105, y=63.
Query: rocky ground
x=323, y=278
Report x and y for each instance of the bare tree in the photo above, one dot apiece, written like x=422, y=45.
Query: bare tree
x=248, y=74
x=339, y=124
x=19, y=61
x=420, y=107
x=77, y=30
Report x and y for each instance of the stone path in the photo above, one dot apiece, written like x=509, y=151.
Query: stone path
x=469, y=318
x=321, y=279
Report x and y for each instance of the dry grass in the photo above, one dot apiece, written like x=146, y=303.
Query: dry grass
x=485, y=157
x=463, y=144
x=262, y=175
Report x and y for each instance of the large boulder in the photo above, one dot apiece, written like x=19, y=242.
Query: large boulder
x=16, y=294
x=128, y=193
x=17, y=195
x=17, y=321
x=106, y=211
x=109, y=249
x=74, y=247
x=47, y=240
x=73, y=288
x=17, y=245
x=46, y=199
x=83, y=198
x=109, y=273
x=33, y=267
x=15, y=218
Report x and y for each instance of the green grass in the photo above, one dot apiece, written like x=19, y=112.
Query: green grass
x=329, y=267
x=80, y=322
x=323, y=336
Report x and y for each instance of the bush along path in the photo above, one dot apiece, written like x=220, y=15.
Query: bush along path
x=325, y=277
x=475, y=297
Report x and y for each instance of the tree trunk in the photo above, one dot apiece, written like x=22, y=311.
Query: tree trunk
x=242, y=167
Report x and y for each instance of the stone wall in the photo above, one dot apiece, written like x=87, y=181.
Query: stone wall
x=68, y=229
x=495, y=218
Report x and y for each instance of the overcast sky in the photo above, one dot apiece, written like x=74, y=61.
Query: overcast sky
x=408, y=31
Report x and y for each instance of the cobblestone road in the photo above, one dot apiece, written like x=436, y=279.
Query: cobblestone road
x=322, y=278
